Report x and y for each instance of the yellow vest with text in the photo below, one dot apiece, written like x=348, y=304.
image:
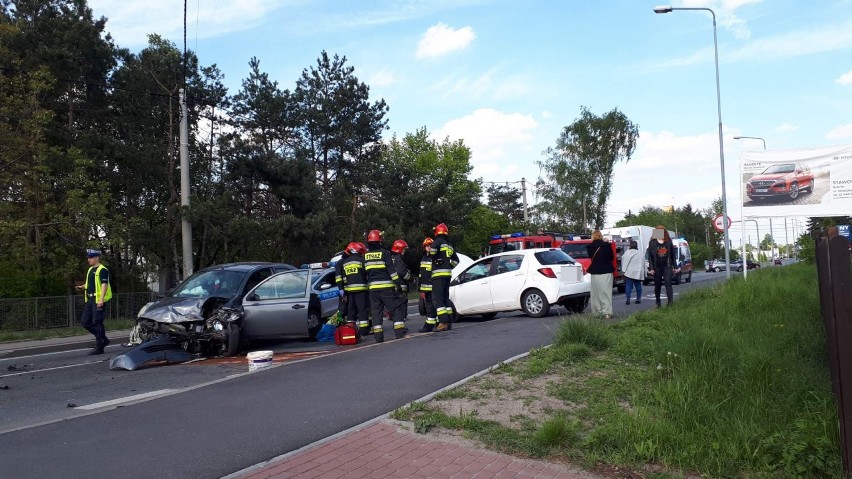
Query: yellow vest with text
x=108, y=294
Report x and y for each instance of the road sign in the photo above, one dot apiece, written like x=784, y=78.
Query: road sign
x=719, y=224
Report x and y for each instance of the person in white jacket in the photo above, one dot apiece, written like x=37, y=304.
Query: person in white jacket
x=633, y=267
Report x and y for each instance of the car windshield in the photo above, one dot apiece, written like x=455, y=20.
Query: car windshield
x=576, y=250
x=776, y=169
x=204, y=284
x=554, y=256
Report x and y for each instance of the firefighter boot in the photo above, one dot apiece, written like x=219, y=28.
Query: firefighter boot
x=399, y=329
x=378, y=334
x=443, y=327
x=428, y=326
x=364, y=328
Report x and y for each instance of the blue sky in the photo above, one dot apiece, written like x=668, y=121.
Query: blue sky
x=507, y=75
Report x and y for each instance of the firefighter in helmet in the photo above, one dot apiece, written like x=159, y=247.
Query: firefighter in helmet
x=397, y=252
x=426, y=287
x=382, y=282
x=353, y=278
x=444, y=259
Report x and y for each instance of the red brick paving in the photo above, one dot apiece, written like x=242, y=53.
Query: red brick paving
x=384, y=450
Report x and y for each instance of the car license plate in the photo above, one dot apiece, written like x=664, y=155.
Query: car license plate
x=761, y=190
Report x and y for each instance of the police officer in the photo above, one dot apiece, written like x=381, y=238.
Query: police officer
x=382, y=283
x=397, y=252
x=354, y=284
x=444, y=258
x=96, y=291
x=426, y=287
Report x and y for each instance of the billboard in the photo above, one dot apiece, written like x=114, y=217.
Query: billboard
x=797, y=182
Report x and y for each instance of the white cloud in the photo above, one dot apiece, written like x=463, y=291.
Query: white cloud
x=441, y=39
x=487, y=85
x=845, y=79
x=489, y=133
x=786, y=128
x=130, y=22
x=382, y=78
x=842, y=131
x=724, y=10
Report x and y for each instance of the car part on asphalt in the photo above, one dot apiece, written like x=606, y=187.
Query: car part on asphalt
x=160, y=348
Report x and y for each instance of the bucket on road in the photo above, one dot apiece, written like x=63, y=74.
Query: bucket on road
x=259, y=359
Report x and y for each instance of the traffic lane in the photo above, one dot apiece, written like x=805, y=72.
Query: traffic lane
x=230, y=425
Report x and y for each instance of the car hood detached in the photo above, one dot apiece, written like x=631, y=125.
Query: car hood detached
x=177, y=310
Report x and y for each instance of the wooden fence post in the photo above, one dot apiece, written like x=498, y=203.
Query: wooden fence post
x=835, y=292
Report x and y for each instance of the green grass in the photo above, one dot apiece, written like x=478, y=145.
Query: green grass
x=112, y=325
x=730, y=381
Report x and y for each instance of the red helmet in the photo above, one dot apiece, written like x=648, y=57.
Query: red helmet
x=374, y=236
x=441, y=229
x=398, y=246
x=352, y=248
x=428, y=242
x=361, y=248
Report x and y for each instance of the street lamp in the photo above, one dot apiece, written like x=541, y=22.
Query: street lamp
x=752, y=138
x=667, y=9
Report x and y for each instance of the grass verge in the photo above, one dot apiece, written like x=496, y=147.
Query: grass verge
x=730, y=381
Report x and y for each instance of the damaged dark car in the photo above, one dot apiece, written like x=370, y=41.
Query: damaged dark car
x=216, y=311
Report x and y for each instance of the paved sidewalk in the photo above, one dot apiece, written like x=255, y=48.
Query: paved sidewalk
x=386, y=450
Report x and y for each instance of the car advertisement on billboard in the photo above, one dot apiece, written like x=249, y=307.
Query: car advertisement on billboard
x=797, y=182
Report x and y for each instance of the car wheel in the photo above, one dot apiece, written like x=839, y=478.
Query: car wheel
x=489, y=316
x=233, y=340
x=740, y=269
x=314, y=323
x=534, y=304
x=689, y=278
x=811, y=186
x=717, y=269
x=677, y=278
x=794, y=191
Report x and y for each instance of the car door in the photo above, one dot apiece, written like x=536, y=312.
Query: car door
x=510, y=275
x=326, y=289
x=470, y=292
x=278, y=306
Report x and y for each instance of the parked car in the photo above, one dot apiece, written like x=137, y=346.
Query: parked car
x=778, y=262
x=219, y=309
x=531, y=280
x=738, y=265
x=716, y=266
x=786, y=179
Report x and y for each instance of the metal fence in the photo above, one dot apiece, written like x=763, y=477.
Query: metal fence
x=23, y=314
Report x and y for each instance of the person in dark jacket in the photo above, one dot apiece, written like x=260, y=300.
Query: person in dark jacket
x=352, y=280
x=444, y=259
x=426, y=288
x=601, y=270
x=398, y=250
x=661, y=262
x=382, y=283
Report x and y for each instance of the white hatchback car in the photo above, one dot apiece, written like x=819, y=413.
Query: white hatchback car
x=531, y=280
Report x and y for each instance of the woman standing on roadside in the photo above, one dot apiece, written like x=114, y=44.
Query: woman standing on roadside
x=601, y=269
x=633, y=267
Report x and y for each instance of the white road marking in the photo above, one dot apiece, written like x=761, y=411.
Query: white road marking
x=127, y=399
x=15, y=358
x=33, y=371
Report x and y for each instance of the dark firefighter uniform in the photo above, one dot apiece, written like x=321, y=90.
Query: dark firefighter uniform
x=425, y=280
x=381, y=282
x=397, y=250
x=444, y=258
x=353, y=280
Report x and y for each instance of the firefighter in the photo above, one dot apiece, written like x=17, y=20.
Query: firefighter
x=397, y=252
x=354, y=286
x=340, y=281
x=382, y=283
x=426, y=287
x=444, y=259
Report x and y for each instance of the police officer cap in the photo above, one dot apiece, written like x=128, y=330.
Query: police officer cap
x=91, y=253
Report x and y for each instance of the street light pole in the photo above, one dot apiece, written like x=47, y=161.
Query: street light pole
x=752, y=138
x=667, y=9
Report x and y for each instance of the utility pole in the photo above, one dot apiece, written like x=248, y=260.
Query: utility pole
x=786, y=234
x=585, y=221
x=186, y=226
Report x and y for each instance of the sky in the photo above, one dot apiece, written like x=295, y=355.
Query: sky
x=508, y=76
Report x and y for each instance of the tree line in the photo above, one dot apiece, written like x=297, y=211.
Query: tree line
x=90, y=158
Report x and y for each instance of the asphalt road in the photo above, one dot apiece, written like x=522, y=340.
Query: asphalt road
x=211, y=418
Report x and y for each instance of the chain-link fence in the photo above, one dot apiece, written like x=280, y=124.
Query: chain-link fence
x=23, y=314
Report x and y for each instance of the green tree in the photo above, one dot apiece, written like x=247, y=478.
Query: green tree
x=506, y=201
x=578, y=171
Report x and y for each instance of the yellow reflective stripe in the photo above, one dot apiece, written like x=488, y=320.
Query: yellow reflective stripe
x=363, y=324
x=355, y=289
x=377, y=328
x=375, y=266
x=380, y=286
x=431, y=321
x=398, y=325
x=425, y=287
x=441, y=274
